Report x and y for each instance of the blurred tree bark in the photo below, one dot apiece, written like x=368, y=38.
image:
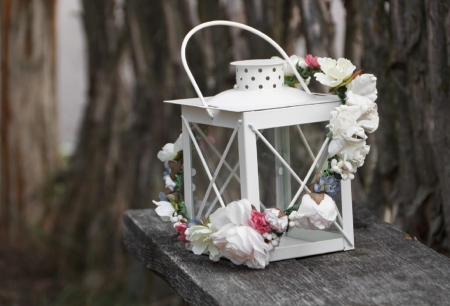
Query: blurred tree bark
x=406, y=46
x=28, y=126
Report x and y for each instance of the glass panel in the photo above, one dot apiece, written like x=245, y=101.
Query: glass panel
x=273, y=175
x=278, y=185
x=227, y=181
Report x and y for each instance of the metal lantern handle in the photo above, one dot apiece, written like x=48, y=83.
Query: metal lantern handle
x=237, y=25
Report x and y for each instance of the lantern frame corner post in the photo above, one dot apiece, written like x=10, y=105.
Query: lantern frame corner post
x=347, y=214
x=248, y=162
x=283, y=177
x=187, y=168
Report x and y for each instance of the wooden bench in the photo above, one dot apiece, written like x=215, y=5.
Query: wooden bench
x=388, y=267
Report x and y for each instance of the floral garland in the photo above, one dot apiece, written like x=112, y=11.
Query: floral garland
x=246, y=236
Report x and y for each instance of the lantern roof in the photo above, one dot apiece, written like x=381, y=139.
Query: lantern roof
x=259, y=85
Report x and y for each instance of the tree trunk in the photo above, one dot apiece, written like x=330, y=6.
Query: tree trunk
x=410, y=184
x=28, y=132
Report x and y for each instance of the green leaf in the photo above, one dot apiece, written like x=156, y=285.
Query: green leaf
x=179, y=155
x=292, y=208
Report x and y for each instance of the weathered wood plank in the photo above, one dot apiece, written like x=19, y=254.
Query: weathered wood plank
x=387, y=267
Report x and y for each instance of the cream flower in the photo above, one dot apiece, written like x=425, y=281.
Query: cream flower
x=344, y=168
x=200, y=238
x=170, y=150
x=272, y=216
x=165, y=210
x=345, y=128
x=368, y=111
x=334, y=72
x=355, y=153
x=364, y=85
x=313, y=216
x=235, y=239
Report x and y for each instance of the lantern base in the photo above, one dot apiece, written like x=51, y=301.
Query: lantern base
x=302, y=243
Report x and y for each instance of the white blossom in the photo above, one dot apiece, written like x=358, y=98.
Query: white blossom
x=235, y=239
x=165, y=210
x=345, y=128
x=170, y=150
x=200, y=238
x=313, y=216
x=334, y=72
x=364, y=85
x=272, y=216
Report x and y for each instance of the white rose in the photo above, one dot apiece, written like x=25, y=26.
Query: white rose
x=170, y=150
x=368, y=118
x=313, y=216
x=242, y=245
x=200, y=238
x=364, y=85
x=165, y=210
x=235, y=239
x=355, y=153
x=345, y=128
x=275, y=221
x=334, y=72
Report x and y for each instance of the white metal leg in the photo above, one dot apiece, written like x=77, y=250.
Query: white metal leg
x=248, y=163
x=349, y=241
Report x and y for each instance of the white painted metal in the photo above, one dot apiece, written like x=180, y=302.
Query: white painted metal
x=234, y=100
x=260, y=109
x=347, y=212
x=205, y=165
x=263, y=75
x=187, y=178
x=238, y=25
x=349, y=241
x=248, y=162
x=283, y=178
x=218, y=168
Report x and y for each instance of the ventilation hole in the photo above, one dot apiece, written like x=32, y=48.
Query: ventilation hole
x=260, y=86
x=246, y=86
x=274, y=85
x=267, y=78
x=240, y=78
x=279, y=77
x=246, y=70
x=259, y=70
x=274, y=69
x=253, y=78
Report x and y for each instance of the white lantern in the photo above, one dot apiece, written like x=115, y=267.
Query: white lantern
x=261, y=118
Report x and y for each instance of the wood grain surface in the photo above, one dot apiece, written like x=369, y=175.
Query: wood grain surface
x=388, y=267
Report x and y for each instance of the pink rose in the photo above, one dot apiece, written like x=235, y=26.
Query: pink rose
x=258, y=222
x=312, y=61
x=181, y=229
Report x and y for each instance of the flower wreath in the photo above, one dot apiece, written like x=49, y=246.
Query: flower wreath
x=246, y=236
